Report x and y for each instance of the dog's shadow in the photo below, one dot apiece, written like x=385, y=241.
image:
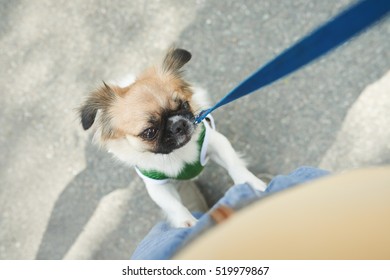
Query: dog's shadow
x=78, y=202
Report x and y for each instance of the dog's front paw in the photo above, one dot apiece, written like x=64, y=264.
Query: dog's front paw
x=256, y=183
x=180, y=221
x=247, y=177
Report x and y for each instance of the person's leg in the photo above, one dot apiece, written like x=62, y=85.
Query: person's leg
x=163, y=241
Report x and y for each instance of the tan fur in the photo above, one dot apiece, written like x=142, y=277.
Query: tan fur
x=127, y=111
x=146, y=98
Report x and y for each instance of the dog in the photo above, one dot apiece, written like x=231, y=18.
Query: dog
x=150, y=124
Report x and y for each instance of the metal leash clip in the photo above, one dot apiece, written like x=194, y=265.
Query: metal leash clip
x=200, y=117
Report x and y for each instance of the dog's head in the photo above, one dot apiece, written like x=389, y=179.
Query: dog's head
x=154, y=114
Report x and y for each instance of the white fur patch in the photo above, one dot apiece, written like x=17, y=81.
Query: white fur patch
x=125, y=81
x=201, y=98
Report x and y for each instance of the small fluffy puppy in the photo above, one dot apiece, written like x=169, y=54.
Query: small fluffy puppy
x=149, y=124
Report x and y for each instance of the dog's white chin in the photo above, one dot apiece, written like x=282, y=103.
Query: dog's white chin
x=171, y=164
x=183, y=140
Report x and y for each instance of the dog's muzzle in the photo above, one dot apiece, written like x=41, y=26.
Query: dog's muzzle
x=181, y=129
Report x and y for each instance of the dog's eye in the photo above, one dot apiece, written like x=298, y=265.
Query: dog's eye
x=185, y=105
x=149, y=133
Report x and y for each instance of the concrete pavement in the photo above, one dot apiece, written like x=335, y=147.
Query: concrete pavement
x=60, y=197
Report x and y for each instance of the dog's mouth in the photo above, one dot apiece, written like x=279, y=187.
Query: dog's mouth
x=184, y=139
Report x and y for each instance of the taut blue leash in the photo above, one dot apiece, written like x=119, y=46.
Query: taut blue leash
x=320, y=41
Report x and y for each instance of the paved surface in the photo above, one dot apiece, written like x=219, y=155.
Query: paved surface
x=60, y=197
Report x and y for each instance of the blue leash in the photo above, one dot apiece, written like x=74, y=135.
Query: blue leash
x=325, y=38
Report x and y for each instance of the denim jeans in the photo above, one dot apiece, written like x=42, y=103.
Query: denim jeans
x=163, y=241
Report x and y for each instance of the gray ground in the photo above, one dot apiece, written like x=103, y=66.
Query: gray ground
x=60, y=197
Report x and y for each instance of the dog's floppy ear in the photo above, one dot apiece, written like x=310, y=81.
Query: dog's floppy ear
x=98, y=99
x=175, y=60
x=88, y=114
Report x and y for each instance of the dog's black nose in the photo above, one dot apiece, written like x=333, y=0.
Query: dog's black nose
x=179, y=127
